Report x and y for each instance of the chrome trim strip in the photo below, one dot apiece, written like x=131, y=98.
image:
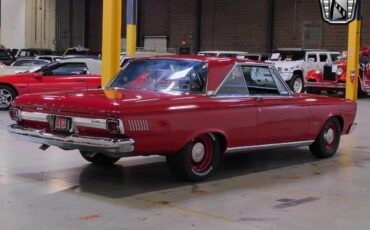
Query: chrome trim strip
x=116, y=147
x=90, y=122
x=326, y=85
x=352, y=128
x=34, y=116
x=138, y=125
x=269, y=146
x=76, y=121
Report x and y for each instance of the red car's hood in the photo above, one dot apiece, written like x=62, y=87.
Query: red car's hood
x=95, y=102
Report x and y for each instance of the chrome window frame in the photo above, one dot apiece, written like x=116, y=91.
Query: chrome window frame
x=216, y=93
x=274, y=73
x=204, y=91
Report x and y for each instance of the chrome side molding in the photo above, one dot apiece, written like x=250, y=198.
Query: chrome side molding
x=269, y=146
x=76, y=121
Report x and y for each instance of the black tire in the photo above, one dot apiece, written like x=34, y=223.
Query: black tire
x=189, y=165
x=7, y=95
x=295, y=79
x=327, y=143
x=98, y=158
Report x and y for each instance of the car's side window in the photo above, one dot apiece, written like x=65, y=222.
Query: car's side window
x=324, y=58
x=69, y=69
x=260, y=80
x=312, y=57
x=234, y=85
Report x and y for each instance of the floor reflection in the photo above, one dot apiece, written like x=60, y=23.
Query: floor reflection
x=119, y=182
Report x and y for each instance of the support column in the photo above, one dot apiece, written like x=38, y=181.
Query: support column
x=112, y=14
x=131, y=34
x=353, y=59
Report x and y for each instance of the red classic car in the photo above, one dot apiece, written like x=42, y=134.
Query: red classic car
x=190, y=109
x=71, y=74
x=333, y=79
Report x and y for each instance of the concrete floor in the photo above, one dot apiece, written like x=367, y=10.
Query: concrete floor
x=285, y=189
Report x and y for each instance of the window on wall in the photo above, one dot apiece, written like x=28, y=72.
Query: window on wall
x=312, y=36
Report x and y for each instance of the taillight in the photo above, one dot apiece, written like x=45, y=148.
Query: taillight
x=115, y=126
x=15, y=114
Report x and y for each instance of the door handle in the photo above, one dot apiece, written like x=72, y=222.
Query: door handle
x=80, y=80
x=258, y=99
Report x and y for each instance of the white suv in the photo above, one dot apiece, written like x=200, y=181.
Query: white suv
x=294, y=64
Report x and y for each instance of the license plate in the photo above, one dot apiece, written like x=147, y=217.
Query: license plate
x=62, y=124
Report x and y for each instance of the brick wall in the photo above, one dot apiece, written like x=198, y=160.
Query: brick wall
x=291, y=18
x=232, y=24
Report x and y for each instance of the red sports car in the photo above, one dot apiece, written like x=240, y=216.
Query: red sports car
x=190, y=109
x=72, y=74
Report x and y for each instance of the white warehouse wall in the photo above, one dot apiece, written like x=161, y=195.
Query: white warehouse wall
x=13, y=20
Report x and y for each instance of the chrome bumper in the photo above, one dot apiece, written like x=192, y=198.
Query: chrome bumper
x=108, y=146
x=328, y=85
x=352, y=128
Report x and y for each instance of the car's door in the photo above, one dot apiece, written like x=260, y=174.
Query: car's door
x=65, y=76
x=312, y=62
x=282, y=116
x=237, y=110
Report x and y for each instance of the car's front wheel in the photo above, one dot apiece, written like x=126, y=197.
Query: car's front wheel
x=98, y=158
x=197, y=160
x=7, y=95
x=327, y=142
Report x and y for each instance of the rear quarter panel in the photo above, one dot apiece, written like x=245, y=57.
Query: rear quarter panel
x=323, y=108
x=172, y=125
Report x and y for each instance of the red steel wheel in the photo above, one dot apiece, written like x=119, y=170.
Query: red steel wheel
x=197, y=160
x=327, y=142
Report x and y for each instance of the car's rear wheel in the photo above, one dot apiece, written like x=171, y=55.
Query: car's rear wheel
x=98, y=158
x=197, y=160
x=7, y=95
x=297, y=84
x=327, y=142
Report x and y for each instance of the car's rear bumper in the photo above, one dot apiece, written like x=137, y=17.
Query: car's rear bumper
x=110, y=146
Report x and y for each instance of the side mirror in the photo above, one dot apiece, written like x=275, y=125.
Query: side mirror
x=311, y=60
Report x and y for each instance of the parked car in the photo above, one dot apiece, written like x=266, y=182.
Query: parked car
x=6, y=57
x=191, y=109
x=294, y=64
x=57, y=76
x=29, y=63
x=233, y=54
x=80, y=51
x=334, y=76
x=20, y=66
x=257, y=57
x=51, y=58
x=21, y=53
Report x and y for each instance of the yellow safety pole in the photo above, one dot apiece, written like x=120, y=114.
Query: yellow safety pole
x=131, y=33
x=111, y=50
x=353, y=59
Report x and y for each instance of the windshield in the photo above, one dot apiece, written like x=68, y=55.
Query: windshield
x=290, y=55
x=165, y=75
x=37, y=69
